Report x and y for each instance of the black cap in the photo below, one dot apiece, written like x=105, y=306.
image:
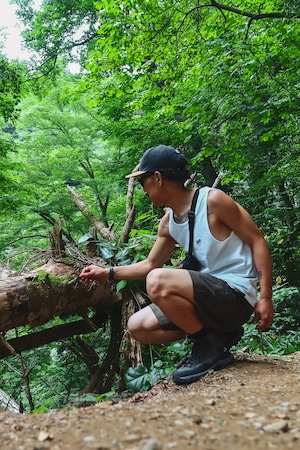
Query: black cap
x=160, y=158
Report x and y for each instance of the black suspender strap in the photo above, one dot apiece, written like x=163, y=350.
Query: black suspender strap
x=191, y=215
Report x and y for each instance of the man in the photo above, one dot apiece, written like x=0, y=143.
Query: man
x=210, y=305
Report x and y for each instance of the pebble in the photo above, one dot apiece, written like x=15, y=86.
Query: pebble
x=178, y=422
x=89, y=438
x=132, y=438
x=190, y=432
x=172, y=445
x=150, y=444
x=276, y=427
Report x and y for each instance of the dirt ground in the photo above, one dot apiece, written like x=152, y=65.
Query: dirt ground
x=252, y=404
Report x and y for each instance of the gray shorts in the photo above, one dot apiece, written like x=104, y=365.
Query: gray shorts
x=218, y=306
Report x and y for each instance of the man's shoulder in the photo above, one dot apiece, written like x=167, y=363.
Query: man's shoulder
x=164, y=221
x=163, y=229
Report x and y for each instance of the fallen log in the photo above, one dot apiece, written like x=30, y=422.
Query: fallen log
x=56, y=333
x=53, y=289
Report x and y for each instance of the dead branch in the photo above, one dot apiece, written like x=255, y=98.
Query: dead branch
x=128, y=226
x=79, y=202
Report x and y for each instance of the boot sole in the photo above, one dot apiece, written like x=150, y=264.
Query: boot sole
x=220, y=364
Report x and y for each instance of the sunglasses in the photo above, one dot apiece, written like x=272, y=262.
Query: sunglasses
x=143, y=177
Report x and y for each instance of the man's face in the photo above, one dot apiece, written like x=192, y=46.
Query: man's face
x=144, y=177
x=150, y=181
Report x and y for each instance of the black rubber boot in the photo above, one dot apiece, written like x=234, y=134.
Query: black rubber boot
x=207, y=354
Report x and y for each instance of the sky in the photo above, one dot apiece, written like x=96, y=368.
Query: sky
x=11, y=27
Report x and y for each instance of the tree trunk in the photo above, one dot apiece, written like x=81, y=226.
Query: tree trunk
x=103, y=378
x=7, y=403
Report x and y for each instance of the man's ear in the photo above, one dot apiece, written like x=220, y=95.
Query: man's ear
x=158, y=177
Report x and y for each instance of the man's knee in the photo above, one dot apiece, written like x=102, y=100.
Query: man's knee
x=142, y=323
x=156, y=284
x=133, y=325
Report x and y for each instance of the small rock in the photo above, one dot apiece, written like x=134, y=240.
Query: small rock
x=258, y=425
x=89, y=438
x=282, y=416
x=172, y=445
x=150, y=444
x=285, y=404
x=132, y=438
x=276, y=427
x=190, y=432
x=44, y=436
x=178, y=422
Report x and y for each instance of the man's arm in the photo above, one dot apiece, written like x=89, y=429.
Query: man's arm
x=159, y=254
x=237, y=219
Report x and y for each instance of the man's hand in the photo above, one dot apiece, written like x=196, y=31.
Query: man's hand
x=92, y=273
x=264, y=313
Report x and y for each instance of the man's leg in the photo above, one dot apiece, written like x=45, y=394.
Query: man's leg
x=173, y=292
x=144, y=327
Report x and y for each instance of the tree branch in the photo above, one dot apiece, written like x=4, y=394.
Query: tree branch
x=253, y=16
x=88, y=214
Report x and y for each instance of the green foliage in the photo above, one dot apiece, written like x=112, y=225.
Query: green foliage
x=270, y=342
x=221, y=87
x=59, y=144
x=140, y=379
x=287, y=312
x=143, y=377
x=12, y=77
x=54, y=378
x=217, y=79
x=283, y=337
x=57, y=371
x=91, y=398
x=58, y=28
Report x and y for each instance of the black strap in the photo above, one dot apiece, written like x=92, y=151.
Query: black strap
x=191, y=215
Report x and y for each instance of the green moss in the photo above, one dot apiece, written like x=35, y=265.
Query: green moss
x=42, y=275
x=49, y=278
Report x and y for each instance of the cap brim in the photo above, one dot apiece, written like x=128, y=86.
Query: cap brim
x=136, y=174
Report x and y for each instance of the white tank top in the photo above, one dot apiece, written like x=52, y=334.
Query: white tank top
x=230, y=260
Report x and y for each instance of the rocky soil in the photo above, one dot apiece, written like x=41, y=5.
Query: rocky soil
x=252, y=404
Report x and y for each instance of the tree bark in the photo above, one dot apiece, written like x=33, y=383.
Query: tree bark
x=54, y=289
x=81, y=205
x=8, y=403
x=103, y=378
x=53, y=334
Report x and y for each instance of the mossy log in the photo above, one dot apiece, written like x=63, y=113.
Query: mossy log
x=54, y=289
